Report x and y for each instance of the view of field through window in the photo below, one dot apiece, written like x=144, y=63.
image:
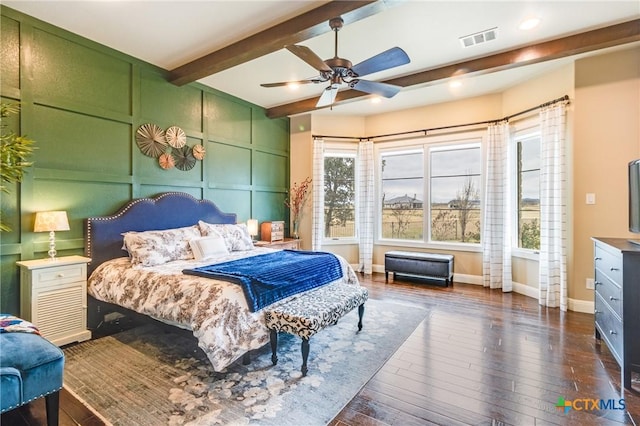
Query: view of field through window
x=454, y=191
x=432, y=193
x=528, y=187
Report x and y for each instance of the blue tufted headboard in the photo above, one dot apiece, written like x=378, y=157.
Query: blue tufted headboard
x=103, y=235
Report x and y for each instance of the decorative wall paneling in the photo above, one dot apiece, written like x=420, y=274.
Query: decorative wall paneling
x=82, y=103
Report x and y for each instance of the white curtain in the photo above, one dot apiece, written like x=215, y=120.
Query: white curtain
x=496, y=221
x=553, y=217
x=366, y=200
x=317, y=231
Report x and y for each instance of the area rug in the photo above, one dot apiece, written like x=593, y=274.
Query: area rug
x=155, y=374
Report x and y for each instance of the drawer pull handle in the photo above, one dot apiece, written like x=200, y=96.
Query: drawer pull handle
x=596, y=312
x=613, y=298
x=598, y=258
x=60, y=275
x=597, y=283
x=614, y=269
x=612, y=332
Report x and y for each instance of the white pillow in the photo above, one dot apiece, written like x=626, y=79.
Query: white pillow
x=236, y=236
x=151, y=248
x=207, y=247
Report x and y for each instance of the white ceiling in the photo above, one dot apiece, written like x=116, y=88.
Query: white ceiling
x=171, y=33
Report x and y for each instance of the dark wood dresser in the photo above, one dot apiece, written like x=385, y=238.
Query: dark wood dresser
x=617, y=301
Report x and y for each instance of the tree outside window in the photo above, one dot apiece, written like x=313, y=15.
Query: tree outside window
x=528, y=191
x=455, y=194
x=339, y=196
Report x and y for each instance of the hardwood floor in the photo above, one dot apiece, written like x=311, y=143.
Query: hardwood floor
x=480, y=357
x=72, y=413
x=487, y=357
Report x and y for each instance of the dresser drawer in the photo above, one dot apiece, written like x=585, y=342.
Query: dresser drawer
x=609, y=263
x=610, y=292
x=59, y=275
x=610, y=327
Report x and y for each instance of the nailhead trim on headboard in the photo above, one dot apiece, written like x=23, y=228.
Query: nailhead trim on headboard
x=210, y=209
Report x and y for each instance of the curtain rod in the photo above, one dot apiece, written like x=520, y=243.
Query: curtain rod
x=564, y=98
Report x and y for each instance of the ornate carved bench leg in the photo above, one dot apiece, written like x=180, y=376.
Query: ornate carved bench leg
x=274, y=346
x=305, y=356
x=360, y=314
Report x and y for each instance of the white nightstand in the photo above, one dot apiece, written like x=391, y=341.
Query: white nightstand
x=53, y=296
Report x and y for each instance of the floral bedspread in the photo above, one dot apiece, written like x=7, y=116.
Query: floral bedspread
x=216, y=311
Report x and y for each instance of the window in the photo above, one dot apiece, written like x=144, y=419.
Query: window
x=527, y=155
x=431, y=192
x=402, y=195
x=455, y=193
x=339, y=194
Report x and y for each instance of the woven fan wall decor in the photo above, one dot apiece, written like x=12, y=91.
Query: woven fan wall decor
x=169, y=147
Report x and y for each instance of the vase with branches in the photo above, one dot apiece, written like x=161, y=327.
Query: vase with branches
x=295, y=201
x=14, y=152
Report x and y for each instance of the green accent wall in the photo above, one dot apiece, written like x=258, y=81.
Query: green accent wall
x=82, y=103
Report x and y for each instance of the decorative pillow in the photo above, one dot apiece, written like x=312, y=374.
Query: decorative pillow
x=235, y=236
x=207, y=247
x=151, y=248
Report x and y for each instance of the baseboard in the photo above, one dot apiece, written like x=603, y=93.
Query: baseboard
x=467, y=279
x=584, y=306
x=526, y=290
x=576, y=305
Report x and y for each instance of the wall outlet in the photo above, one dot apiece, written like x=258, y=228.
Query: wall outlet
x=590, y=283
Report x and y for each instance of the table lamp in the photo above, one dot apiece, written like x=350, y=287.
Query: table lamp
x=50, y=222
x=252, y=226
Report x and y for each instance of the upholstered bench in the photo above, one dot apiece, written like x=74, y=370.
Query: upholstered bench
x=428, y=265
x=311, y=312
x=30, y=367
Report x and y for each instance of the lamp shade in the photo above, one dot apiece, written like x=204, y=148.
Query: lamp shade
x=51, y=221
x=252, y=226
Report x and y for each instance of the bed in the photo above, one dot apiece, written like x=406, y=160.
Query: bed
x=215, y=310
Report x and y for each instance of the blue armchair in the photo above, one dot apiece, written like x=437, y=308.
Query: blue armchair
x=30, y=367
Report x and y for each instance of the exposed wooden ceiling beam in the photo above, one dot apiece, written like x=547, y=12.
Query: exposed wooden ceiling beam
x=295, y=30
x=613, y=35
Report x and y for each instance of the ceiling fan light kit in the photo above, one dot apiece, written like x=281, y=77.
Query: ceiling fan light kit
x=340, y=72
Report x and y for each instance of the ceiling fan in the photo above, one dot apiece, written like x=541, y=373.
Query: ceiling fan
x=340, y=72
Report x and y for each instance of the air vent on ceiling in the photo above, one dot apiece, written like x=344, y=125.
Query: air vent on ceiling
x=480, y=37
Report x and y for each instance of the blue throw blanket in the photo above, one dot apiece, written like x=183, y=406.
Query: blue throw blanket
x=270, y=277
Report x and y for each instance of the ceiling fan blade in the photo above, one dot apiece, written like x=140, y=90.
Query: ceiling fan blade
x=309, y=57
x=393, y=57
x=328, y=96
x=375, y=87
x=287, y=83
